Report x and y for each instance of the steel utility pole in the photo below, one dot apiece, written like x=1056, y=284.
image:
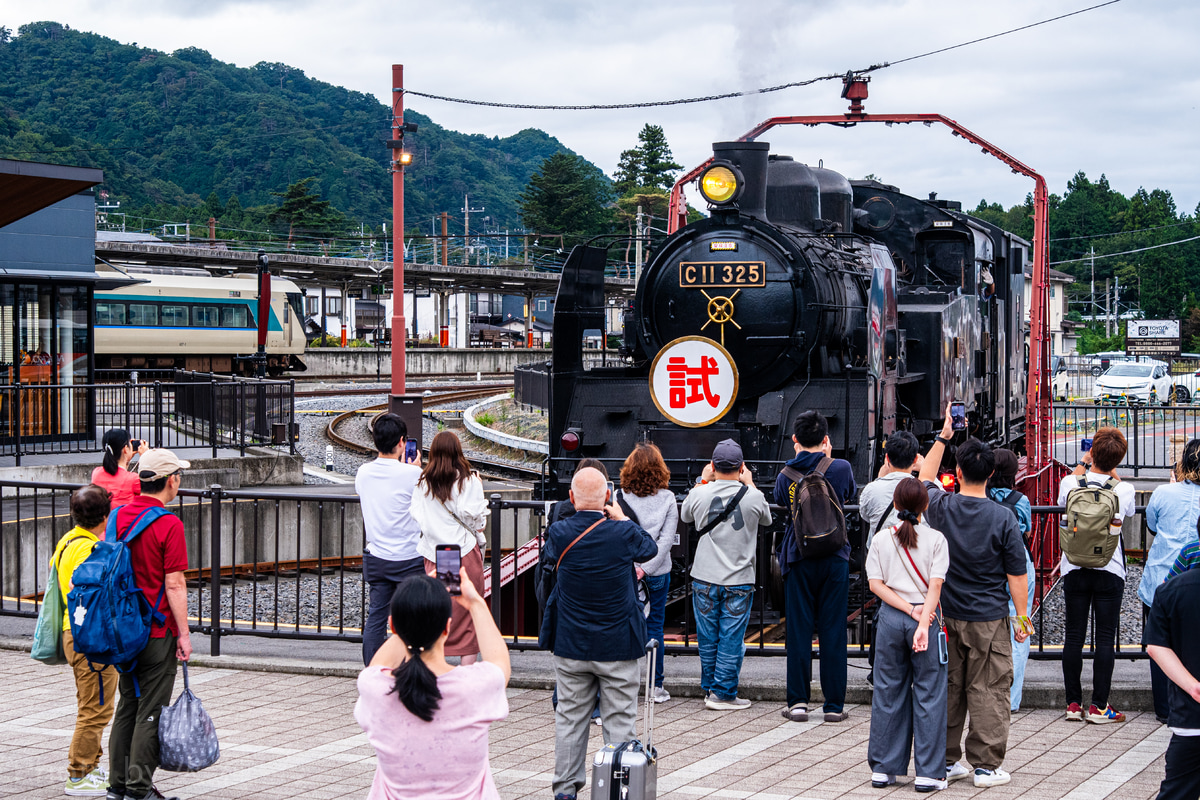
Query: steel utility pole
x=407, y=406
x=637, y=248
x=467, y=212
x=264, y=311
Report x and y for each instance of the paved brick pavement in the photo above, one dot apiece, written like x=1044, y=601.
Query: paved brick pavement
x=294, y=736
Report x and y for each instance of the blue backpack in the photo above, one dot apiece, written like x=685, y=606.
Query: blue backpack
x=110, y=617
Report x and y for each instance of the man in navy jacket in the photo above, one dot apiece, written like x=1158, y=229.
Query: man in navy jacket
x=599, y=631
x=815, y=590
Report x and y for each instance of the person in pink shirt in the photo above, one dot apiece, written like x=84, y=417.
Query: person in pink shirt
x=438, y=709
x=114, y=474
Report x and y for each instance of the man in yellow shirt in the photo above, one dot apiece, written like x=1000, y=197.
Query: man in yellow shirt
x=85, y=778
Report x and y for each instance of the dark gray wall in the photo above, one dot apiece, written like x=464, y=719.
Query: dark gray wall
x=60, y=238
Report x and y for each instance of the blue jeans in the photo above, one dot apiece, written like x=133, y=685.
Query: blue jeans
x=658, y=585
x=722, y=613
x=1020, y=650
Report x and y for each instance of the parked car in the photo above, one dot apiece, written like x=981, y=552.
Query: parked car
x=1060, y=385
x=1144, y=383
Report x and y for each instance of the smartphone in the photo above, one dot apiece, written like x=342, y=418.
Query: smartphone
x=958, y=416
x=448, y=562
x=410, y=450
x=943, y=647
x=136, y=444
x=1085, y=445
x=612, y=493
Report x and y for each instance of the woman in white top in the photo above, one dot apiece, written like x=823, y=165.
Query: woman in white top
x=906, y=567
x=449, y=505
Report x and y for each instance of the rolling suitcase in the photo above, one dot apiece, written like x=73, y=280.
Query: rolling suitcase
x=629, y=770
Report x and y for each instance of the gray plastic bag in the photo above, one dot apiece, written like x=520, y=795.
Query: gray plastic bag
x=187, y=740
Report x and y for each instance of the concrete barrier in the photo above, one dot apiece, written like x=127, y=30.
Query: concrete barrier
x=366, y=361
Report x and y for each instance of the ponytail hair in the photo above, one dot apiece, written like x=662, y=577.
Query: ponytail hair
x=910, y=501
x=420, y=608
x=114, y=442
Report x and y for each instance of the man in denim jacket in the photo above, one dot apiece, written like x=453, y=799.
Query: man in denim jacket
x=723, y=571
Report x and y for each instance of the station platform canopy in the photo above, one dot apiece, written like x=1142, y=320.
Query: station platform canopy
x=350, y=273
x=29, y=186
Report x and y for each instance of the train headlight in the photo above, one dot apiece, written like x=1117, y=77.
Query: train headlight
x=721, y=183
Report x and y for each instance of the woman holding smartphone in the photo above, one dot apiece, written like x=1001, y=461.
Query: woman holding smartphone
x=114, y=474
x=433, y=742
x=449, y=505
x=906, y=567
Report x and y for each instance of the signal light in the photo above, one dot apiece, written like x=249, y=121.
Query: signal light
x=947, y=480
x=721, y=183
x=570, y=440
x=405, y=158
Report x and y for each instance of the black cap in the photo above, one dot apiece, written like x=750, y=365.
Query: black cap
x=727, y=456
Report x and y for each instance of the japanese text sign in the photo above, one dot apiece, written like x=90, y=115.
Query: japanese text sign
x=693, y=381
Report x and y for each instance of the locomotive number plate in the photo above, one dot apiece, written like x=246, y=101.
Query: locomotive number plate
x=720, y=274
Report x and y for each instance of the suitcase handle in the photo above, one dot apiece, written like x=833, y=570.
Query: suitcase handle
x=651, y=652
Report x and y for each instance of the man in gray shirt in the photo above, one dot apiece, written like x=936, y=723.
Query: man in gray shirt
x=727, y=511
x=900, y=458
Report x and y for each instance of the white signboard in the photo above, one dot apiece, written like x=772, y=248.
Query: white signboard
x=693, y=381
x=1152, y=329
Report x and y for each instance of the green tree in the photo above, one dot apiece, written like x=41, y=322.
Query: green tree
x=566, y=195
x=305, y=213
x=649, y=165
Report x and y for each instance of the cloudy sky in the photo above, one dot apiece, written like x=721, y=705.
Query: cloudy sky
x=1111, y=91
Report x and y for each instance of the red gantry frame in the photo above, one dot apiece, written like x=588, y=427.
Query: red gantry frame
x=1042, y=474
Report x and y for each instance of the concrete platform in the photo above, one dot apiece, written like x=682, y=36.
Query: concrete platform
x=286, y=735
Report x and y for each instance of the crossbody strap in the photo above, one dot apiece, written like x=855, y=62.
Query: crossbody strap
x=628, y=509
x=457, y=518
x=907, y=556
x=558, y=563
x=737, y=498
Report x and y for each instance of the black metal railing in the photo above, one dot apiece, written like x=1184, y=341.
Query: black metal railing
x=1155, y=434
x=288, y=564
x=531, y=384
x=195, y=410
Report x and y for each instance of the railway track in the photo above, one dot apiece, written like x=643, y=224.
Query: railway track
x=438, y=391
x=486, y=467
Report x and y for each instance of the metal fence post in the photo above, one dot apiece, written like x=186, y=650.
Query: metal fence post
x=494, y=553
x=158, y=413
x=1135, y=412
x=212, y=413
x=128, y=406
x=214, y=565
x=291, y=420
x=17, y=414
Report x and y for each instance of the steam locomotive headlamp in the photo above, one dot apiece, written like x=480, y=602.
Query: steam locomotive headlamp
x=722, y=183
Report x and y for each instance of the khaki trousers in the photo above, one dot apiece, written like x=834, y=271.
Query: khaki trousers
x=90, y=719
x=979, y=677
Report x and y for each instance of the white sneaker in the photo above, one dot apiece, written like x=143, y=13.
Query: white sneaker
x=881, y=780
x=597, y=721
x=957, y=772
x=734, y=704
x=929, y=785
x=660, y=695
x=985, y=778
x=90, y=785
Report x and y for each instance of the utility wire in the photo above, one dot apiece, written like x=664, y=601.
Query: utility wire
x=748, y=92
x=1122, y=233
x=1124, y=252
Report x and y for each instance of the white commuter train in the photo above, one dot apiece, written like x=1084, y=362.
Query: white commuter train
x=187, y=319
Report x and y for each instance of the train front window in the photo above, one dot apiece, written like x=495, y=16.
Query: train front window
x=110, y=313
x=205, y=316
x=175, y=316
x=234, y=317
x=143, y=315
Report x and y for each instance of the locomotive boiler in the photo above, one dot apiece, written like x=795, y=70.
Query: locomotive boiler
x=801, y=290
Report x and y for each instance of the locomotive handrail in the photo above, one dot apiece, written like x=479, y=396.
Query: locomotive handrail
x=1037, y=409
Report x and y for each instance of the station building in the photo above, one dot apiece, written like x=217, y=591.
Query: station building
x=47, y=277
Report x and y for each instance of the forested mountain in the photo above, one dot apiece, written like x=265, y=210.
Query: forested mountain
x=1137, y=240
x=169, y=130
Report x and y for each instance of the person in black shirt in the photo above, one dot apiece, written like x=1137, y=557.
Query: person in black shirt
x=1172, y=642
x=987, y=556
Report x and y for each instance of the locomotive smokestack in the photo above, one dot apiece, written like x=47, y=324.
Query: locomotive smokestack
x=751, y=159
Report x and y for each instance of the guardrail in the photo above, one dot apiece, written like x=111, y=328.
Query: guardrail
x=287, y=564
x=1156, y=435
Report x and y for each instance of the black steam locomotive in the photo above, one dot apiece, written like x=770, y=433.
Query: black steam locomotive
x=802, y=290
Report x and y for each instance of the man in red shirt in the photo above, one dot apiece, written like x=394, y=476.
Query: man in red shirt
x=159, y=557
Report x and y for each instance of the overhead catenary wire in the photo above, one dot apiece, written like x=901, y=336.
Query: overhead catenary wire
x=1122, y=233
x=747, y=92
